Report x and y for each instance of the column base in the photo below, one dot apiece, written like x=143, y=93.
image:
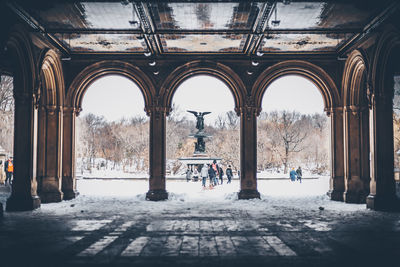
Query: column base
x=51, y=197
x=375, y=202
x=70, y=194
x=335, y=195
x=248, y=194
x=353, y=197
x=157, y=195
x=22, y=203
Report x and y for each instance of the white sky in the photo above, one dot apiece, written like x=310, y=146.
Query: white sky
x=116, y=97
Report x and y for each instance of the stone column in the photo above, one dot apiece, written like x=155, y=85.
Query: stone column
x=24, y=195
x=356, y=178
x=68, y=154
x=382, y=194
x=248, y=153
x=157, y=154
x=337, y=161
x=50, y=177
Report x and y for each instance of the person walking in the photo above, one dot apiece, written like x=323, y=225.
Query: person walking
x=221, y=174
x=215, y=167
x=211, y=175
x=229, y=174
x=292, y=175
x=188, y=174
x=9, y=169
x=204, y=175
x=299, y=174
x=195, y=174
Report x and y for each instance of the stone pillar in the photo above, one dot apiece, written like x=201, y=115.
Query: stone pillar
x=157, y=154
x=356, y=145
x=50, y=139
x=248, y=153
x=24, y=195
x=337, y=157
x=382, y=194
x=68, y=154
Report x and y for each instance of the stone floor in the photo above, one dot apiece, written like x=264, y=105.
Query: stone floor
x=110, y=231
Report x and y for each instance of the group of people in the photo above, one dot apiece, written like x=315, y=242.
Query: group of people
x=296, y=174
x=212, y=171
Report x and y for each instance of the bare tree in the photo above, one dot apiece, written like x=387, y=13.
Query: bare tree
x=6, y=93
x=220, y=122
x=232, y=120
x=291, y=132
x=6, y=113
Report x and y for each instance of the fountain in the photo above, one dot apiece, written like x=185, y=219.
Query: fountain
x=200, y=156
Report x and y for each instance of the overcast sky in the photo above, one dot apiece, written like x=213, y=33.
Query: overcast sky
x=115, y=97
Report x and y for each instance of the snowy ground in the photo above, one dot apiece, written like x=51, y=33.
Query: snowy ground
x=111, y=224
x=128, y=195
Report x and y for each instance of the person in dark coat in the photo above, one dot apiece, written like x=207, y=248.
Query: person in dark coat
x=188, y=174
x=299, y=174
x=229, y=174
x=211, y=175
x=221, y=174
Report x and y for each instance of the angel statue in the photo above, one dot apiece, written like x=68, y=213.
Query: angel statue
x=200, y=119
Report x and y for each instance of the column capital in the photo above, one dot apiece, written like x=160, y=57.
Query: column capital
x=157, y=111
x=355, y=110
x=248, y=111
x=71, y=110
x=333, y=110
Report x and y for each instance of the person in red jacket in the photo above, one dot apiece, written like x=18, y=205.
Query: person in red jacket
x=9, y=169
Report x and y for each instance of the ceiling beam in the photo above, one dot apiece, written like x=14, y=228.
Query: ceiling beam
x=35, y=25
x=147, y=26
x=373, y=24
x=259, y=28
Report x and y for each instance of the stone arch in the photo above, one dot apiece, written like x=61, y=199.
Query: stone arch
x=20, y=51
x=52, y=80
x=387, y=44
x=312, y=72
x=100, y=69
x=214, y=69
x=355, y=79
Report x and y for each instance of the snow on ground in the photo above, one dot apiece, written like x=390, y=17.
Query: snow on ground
x=128, y=196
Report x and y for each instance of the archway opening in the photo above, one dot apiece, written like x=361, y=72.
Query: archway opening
x=190, y=148
x=7, y=132
x=112, y=139
x=293, y=132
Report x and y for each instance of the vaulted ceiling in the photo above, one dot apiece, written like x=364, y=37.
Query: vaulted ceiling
x=200, y=27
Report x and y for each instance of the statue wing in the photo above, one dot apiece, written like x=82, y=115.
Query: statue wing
x=205, y=113
x=193, y=112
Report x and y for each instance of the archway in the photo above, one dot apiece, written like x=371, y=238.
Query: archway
x=6, y=125
x=73, y=107
x=331, y=99
x=356, y=128
x=185, y=154
x=112, y=139
x=293, y=135
x=50, y=127
x=383, y=75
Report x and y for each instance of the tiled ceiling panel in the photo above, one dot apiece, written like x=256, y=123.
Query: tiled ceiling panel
x=86, y=15
x=303, y=42
x=102, y=42
x=204, y=16
x=312, y=15
x=212, y=43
